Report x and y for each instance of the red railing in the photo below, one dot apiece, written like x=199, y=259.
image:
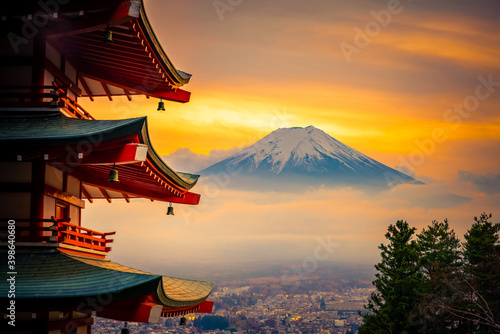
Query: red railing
x=73, y=108
x=61, y=231
x=48, y=97
x=83, y=237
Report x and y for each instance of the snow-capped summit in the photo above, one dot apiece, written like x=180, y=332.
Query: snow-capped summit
x=307, y=154
x=298, y=147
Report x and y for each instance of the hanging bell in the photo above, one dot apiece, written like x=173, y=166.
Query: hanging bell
x=108, y=36
x=113, y=175
x=170, y=210
x=183, y=321
x=161, y=105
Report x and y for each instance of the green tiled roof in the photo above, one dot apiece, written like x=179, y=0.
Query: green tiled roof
x=49, y=130
x=51, y=274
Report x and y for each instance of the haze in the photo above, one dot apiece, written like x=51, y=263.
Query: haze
x=412, y=84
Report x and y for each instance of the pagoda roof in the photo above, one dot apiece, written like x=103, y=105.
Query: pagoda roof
x=50, y=277
x=135, y=63
x=53, y=129
x=90, y=149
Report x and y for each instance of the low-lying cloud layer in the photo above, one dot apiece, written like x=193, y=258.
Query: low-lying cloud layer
x=488, y=184
x=185, y=160
x=266, y=65
x=247, y=231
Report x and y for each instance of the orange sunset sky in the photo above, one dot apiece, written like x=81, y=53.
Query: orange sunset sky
x=414, y=84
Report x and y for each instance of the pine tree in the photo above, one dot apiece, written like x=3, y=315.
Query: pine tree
x=429, y=286
x=397, y=282
x=440, y=259
x=460, y=295
x=482, y=274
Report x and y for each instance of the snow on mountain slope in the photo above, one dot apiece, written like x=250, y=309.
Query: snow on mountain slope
x=297, y=153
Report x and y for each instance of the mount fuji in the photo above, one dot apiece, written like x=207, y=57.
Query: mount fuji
x=307, y=156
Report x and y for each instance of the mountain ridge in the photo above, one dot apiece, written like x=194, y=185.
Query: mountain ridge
x=307, y=154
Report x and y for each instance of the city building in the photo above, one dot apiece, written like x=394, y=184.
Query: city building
x=56, y=159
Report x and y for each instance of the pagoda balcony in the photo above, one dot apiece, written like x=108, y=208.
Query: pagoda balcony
x=61, y=234
x=55, y=97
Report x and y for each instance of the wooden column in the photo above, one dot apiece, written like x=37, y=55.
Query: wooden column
x=37, y=192
x=38, y=68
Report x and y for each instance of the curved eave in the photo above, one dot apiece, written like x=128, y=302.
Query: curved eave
x=58, y=139
x=134, y=63
x=49, y=130
x=183, y=180
x=53, y=278
x=180, y=77
x=53, y=275
x=181, y=293
x=171, y=292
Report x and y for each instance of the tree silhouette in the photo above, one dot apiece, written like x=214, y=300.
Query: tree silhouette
x=436, y=285
x=440, y=259
x=398, y=276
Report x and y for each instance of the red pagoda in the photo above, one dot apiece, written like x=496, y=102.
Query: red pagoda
x=56, y=158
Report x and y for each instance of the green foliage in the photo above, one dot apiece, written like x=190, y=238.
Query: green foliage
x=440, y=259
x=434, y=284
x=482, y=251
x=440, y=250
x=482, y=270
x=396, y=281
